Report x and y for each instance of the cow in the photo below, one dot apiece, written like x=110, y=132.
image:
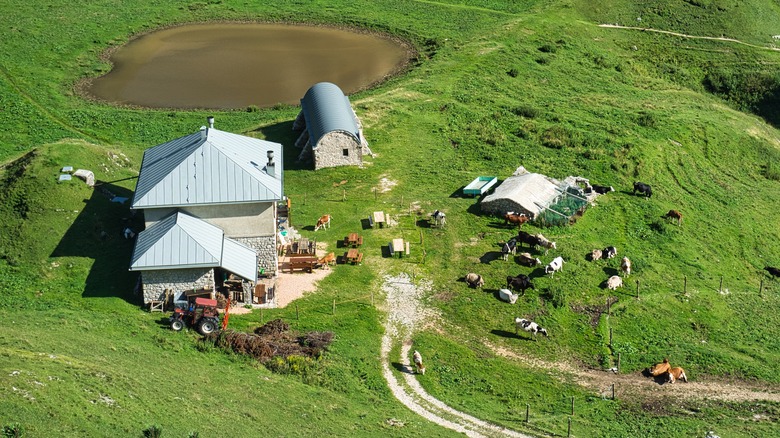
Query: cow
x=510, y=247
x=529, y=326
x=418, y=363
x=521, y=282
x=773, y=271
x=439, y=218
x=660, y=368
x=545, y=243
x=674, y=214
x=323, y=222
x=609, y=252
x=595, y=255
x=514, y=218
x=625, y=266
x=555, y=265
x=614, y=282
x=527, y=260
x=601, y=190
x=329, y=259
x=643, y=189
x=527, y=238
x=474, y=280
x=507, y=295
x=675, y=374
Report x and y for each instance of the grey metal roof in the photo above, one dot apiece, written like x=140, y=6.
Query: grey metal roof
x=208, y=167
x=327, y=109
x=182, y=241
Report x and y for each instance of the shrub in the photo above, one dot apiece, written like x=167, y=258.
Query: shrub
x=555, y=137
x=252, y=109
x=513, y=72
x=548, y=48
x=542, y=60
x=13, y=430
x=646, y=119
x=153, y=432
x=526, y=111
x=772, y=170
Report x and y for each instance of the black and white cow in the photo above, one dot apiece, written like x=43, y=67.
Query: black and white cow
x=643, y=188
x=601, y=190
x=439, y=218
x=555, y=265
x=609, y=252
x=510, y=247
x=529, y=326
x=521, y=283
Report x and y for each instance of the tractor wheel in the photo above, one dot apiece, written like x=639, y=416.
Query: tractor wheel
x=177, y=324
x=206, y=326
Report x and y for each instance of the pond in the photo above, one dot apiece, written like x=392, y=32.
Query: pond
x=241, y=65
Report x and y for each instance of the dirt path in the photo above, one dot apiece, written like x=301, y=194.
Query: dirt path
x=405, y=312
x=668, y=32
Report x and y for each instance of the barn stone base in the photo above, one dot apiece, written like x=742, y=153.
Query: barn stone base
x=156, y=282
x=265, y=246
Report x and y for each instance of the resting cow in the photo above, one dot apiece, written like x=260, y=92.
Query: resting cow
x=595, y=255
x=474, y=280
x=507, y=295
x=609, y=252
x=660, y=368
x=675, y=374
x=521, y=282
x=643, y=188
x=614, y=282
x=526, y=259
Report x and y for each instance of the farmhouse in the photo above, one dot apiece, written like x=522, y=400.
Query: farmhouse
x=331, y=131
x=540, y=197
x=209, y=201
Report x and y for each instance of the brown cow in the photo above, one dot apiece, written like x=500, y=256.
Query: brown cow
x=674, y=214
x=329, y=259
x=675, y=374
x=323, y=222
x=514, y=218
x=660, y=368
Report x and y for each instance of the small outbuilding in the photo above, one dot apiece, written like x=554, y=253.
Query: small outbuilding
x=332, y=134
x=543, y=199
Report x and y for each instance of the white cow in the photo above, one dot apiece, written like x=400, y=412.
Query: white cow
x=555, y=265
x=507, y=295
x=614, y=282
x=625, y=266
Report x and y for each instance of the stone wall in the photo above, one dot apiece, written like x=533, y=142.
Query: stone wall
x=265, y=246
x=177, y=280
x=329, y=152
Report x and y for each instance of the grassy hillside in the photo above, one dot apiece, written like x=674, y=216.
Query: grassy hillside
x=498, y=84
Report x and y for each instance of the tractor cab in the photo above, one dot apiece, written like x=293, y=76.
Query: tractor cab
x=202, y=314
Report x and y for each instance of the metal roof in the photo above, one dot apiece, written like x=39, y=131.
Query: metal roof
x=182, y=241
x=208, y=167
x=327, y=109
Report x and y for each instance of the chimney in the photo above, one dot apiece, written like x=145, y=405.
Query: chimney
x=270, y=168
x=203, y=132
x=210, y=119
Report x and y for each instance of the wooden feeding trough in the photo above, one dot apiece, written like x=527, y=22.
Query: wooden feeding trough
x=480, y=185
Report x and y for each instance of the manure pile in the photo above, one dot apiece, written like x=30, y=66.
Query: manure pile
x=273, y=339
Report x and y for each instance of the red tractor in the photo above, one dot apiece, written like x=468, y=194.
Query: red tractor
x=203, y=315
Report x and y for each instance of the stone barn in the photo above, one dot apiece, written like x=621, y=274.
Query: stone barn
x=209, y=202
x=332, y=134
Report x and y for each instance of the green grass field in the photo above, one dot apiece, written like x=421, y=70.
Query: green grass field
x=498, y=84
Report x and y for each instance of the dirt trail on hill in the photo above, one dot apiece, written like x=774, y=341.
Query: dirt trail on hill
x=668, y=32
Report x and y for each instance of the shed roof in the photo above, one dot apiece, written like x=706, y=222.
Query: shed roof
x=208, y=167
x=529, y=190
x=327, y=109
x=181, y=241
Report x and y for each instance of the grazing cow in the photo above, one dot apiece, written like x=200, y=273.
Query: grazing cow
x=601, y=190
x=609, y=252
x=614, y=282
x=643, y=188
x=521, y=282
x=323, y=222
x=439, y=218
x=527, y=260
x=527, y=238
x=418, y=363
x=507, y=295
x=329, y=259
x=595, y=255
x=774, y=271
x=660, y=368
x=625, y=266
x=474, y=280
x=674, y=214
x=529, y=326
x=545, y=243
x=514, y=218
x=510, y=247
x=555, y=265
x=675, y=374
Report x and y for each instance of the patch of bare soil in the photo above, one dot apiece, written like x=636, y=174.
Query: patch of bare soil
x=385, y=185
x=646, y=389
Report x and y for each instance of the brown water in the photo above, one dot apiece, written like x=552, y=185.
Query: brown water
x=238, y=65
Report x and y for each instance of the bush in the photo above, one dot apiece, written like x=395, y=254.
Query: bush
x=13, y=430
x=526, y=111
x=513, y=72
x=555, y=137
x=646, y=119
x=772, y=170
x=548, y=48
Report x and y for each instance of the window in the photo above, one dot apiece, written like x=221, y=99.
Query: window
x=345, y=152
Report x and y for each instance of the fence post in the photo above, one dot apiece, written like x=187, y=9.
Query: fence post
x=613, y=391
x=720, y=290
x=685, y=284
x=527, y=410
x=610, y=337
x=618, y=364
x=572, y=406
x=637, y=289
x=760, y=287
x=568, y=433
